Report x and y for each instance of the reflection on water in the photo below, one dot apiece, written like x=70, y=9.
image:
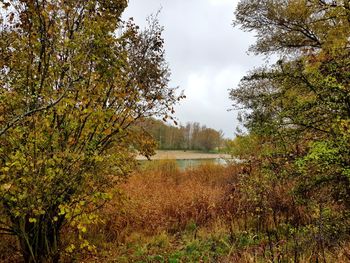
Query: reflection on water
x=184, y=164
x=192, y=163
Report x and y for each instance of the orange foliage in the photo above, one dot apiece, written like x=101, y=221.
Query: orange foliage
x=166, y=199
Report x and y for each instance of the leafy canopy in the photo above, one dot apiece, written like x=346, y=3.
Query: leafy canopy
x=74, y=81
x=298, y=109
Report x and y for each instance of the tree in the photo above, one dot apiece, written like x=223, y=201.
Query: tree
x=298, y=108
x=209, y=139
x=72, y=89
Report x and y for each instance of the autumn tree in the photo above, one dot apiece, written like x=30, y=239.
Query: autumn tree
x=299, y=107
x=209, y=139
x=74, y=80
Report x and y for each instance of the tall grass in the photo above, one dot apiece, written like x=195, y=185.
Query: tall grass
x=213, y=213
x=210, y=213
x=162, y=198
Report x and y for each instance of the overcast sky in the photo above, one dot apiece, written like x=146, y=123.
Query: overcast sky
x=206, y=54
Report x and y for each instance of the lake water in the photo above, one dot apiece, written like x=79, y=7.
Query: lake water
x=191, y=163
x=185, y=159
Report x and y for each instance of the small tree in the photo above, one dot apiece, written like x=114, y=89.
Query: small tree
x=74, y=80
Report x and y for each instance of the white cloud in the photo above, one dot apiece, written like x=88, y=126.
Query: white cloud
x=222, y=2
x=207, y=56
x=208, y=100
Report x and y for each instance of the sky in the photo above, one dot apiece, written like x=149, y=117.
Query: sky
x=206, y=54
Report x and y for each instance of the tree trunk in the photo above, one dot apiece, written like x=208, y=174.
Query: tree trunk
x=39, y=241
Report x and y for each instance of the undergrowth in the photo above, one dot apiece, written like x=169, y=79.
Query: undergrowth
x=211, y=213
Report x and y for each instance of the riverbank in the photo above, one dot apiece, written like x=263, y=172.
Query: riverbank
x=184, y=155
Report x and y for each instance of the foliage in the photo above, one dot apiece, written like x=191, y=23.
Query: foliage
x=297, y=113
x=209, y=213
x=74, y=81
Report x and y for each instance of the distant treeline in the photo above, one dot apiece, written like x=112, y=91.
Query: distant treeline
x=192, y=136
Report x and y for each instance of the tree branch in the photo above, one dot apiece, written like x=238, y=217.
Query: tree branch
x=29, y=113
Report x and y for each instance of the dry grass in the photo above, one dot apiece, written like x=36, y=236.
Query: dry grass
x=161, y=198
x=229, y=216
x=210, y=213
x=8, y=250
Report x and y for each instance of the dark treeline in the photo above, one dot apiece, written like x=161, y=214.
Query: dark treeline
x=192, y=136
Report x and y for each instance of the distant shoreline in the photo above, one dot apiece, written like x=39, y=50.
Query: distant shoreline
x=184, y=155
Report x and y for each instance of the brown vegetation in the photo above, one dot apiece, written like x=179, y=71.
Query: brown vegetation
x=211, y=213
x=245, y=216
x=165, y=199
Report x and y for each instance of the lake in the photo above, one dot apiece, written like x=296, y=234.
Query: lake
x=188, y=159
x=192, y=163
x=185, y=155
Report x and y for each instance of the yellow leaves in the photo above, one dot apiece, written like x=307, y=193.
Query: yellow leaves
x=32, y=220
x=39, y=211
x=63, y=210
x=51, y=162
x=86, y=245
x=86, y=111
x=337, y=39
x=98, y=158
x=81, y=228
x=70, y=248
x=297, y=9
x=6, y=187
